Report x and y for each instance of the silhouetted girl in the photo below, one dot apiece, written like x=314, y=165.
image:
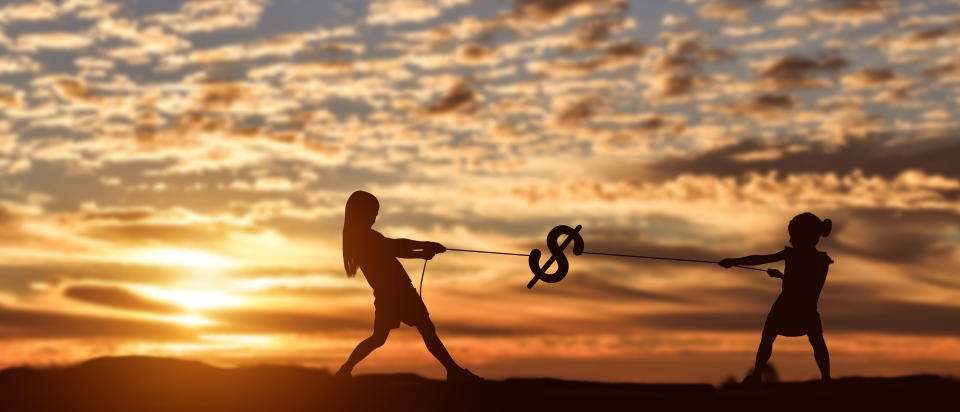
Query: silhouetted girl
x=795, y=311
x=395, y=298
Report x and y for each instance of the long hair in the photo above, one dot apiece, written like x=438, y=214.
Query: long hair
x=358, y=215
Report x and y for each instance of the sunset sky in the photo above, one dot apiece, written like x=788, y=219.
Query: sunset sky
x=173, y=176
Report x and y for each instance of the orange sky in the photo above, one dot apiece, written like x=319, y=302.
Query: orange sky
x=173, y=176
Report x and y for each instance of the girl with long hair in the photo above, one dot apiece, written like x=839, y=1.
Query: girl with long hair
x=395, y=298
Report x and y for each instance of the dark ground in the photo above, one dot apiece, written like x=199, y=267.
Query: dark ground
x=157, y=384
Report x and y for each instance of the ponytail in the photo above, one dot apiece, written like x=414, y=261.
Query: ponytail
x=827, y=227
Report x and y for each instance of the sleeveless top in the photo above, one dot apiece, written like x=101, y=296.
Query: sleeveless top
x=803, y=278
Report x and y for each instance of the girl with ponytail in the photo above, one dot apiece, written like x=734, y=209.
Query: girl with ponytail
x=395, y=298
x=795, y=311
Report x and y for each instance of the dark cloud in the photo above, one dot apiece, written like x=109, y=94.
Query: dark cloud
x=459, y=98
x=474, y=53
x=273, y=321
x=798, y=71
x=854, y=315
x=614, y=56
x=550, y=9
x=764, y=106
x=874, y=155
x=870, y=77
x=577, y=112
x=897, y=237
x=25, y=323
x=119, y=297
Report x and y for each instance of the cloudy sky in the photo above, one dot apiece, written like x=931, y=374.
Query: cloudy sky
x=173, y=175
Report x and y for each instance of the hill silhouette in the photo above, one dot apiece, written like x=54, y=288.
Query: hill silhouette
x=162, y=384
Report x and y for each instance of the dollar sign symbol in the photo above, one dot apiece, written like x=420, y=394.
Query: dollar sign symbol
x=556, y=255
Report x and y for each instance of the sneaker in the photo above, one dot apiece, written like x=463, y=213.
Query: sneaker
x=463, y=376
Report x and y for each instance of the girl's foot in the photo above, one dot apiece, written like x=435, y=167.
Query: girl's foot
x=462, y=376
x=751, y=379
x=343, y=374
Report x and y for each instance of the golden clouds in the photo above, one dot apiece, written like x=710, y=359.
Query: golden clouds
x=731, y=12
x=33, y=42
x=237, y=130
x=211, y=15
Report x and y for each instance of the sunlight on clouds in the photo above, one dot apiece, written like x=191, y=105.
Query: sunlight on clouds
x=181, y=257
x=191, y=299
x=174, y=176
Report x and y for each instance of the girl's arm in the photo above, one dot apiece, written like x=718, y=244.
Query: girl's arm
x=413, y=249
x=753, y=260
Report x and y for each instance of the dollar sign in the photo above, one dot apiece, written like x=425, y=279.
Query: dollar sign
x=556, y=255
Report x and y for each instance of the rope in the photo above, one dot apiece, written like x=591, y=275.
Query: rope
x=488, y=252
x=610, y=254
x=667, y=258
x=422, y=272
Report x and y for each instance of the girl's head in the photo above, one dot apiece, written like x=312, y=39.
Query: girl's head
x=806, y=229
x=359, y=215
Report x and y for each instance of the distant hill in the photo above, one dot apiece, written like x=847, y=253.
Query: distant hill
x=160, y=384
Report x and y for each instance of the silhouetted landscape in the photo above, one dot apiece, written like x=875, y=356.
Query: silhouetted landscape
x=146, y=383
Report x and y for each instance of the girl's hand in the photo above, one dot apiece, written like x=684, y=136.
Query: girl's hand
x=775, y=273
x=432, y=249
x=437, y=248
x=727, y=263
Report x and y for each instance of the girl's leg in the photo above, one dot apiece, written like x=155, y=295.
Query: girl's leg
x=763, y=355
x=363, y=349
x=436, y=348
x=821, y=354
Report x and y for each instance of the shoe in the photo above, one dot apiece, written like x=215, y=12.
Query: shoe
x=752, y=379
x=463, y=376
x=343, y=375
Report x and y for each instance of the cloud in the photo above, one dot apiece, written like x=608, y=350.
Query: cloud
x=202, y=16
x=392, y=12
x=883, y=155
x=797, y=71
x=475, y=54
x=29, y=11
x=730, y=12
x=275, y=321
x=459, y=98
x=118, y=297
x=853, y=315
x=765, y=106
x=855, y=12
x=874, y=77
x=33, y=42
x=552, y=10
x=18, y=64
x=27, y=323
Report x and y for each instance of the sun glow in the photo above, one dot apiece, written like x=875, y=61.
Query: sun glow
x=191, y=320
x=192, y=299
x=182, y=257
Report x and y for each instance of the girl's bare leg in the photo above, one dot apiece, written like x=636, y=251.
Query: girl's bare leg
x=821, y=354
x=436, y=348
x=763, y=355
x=363, y=349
